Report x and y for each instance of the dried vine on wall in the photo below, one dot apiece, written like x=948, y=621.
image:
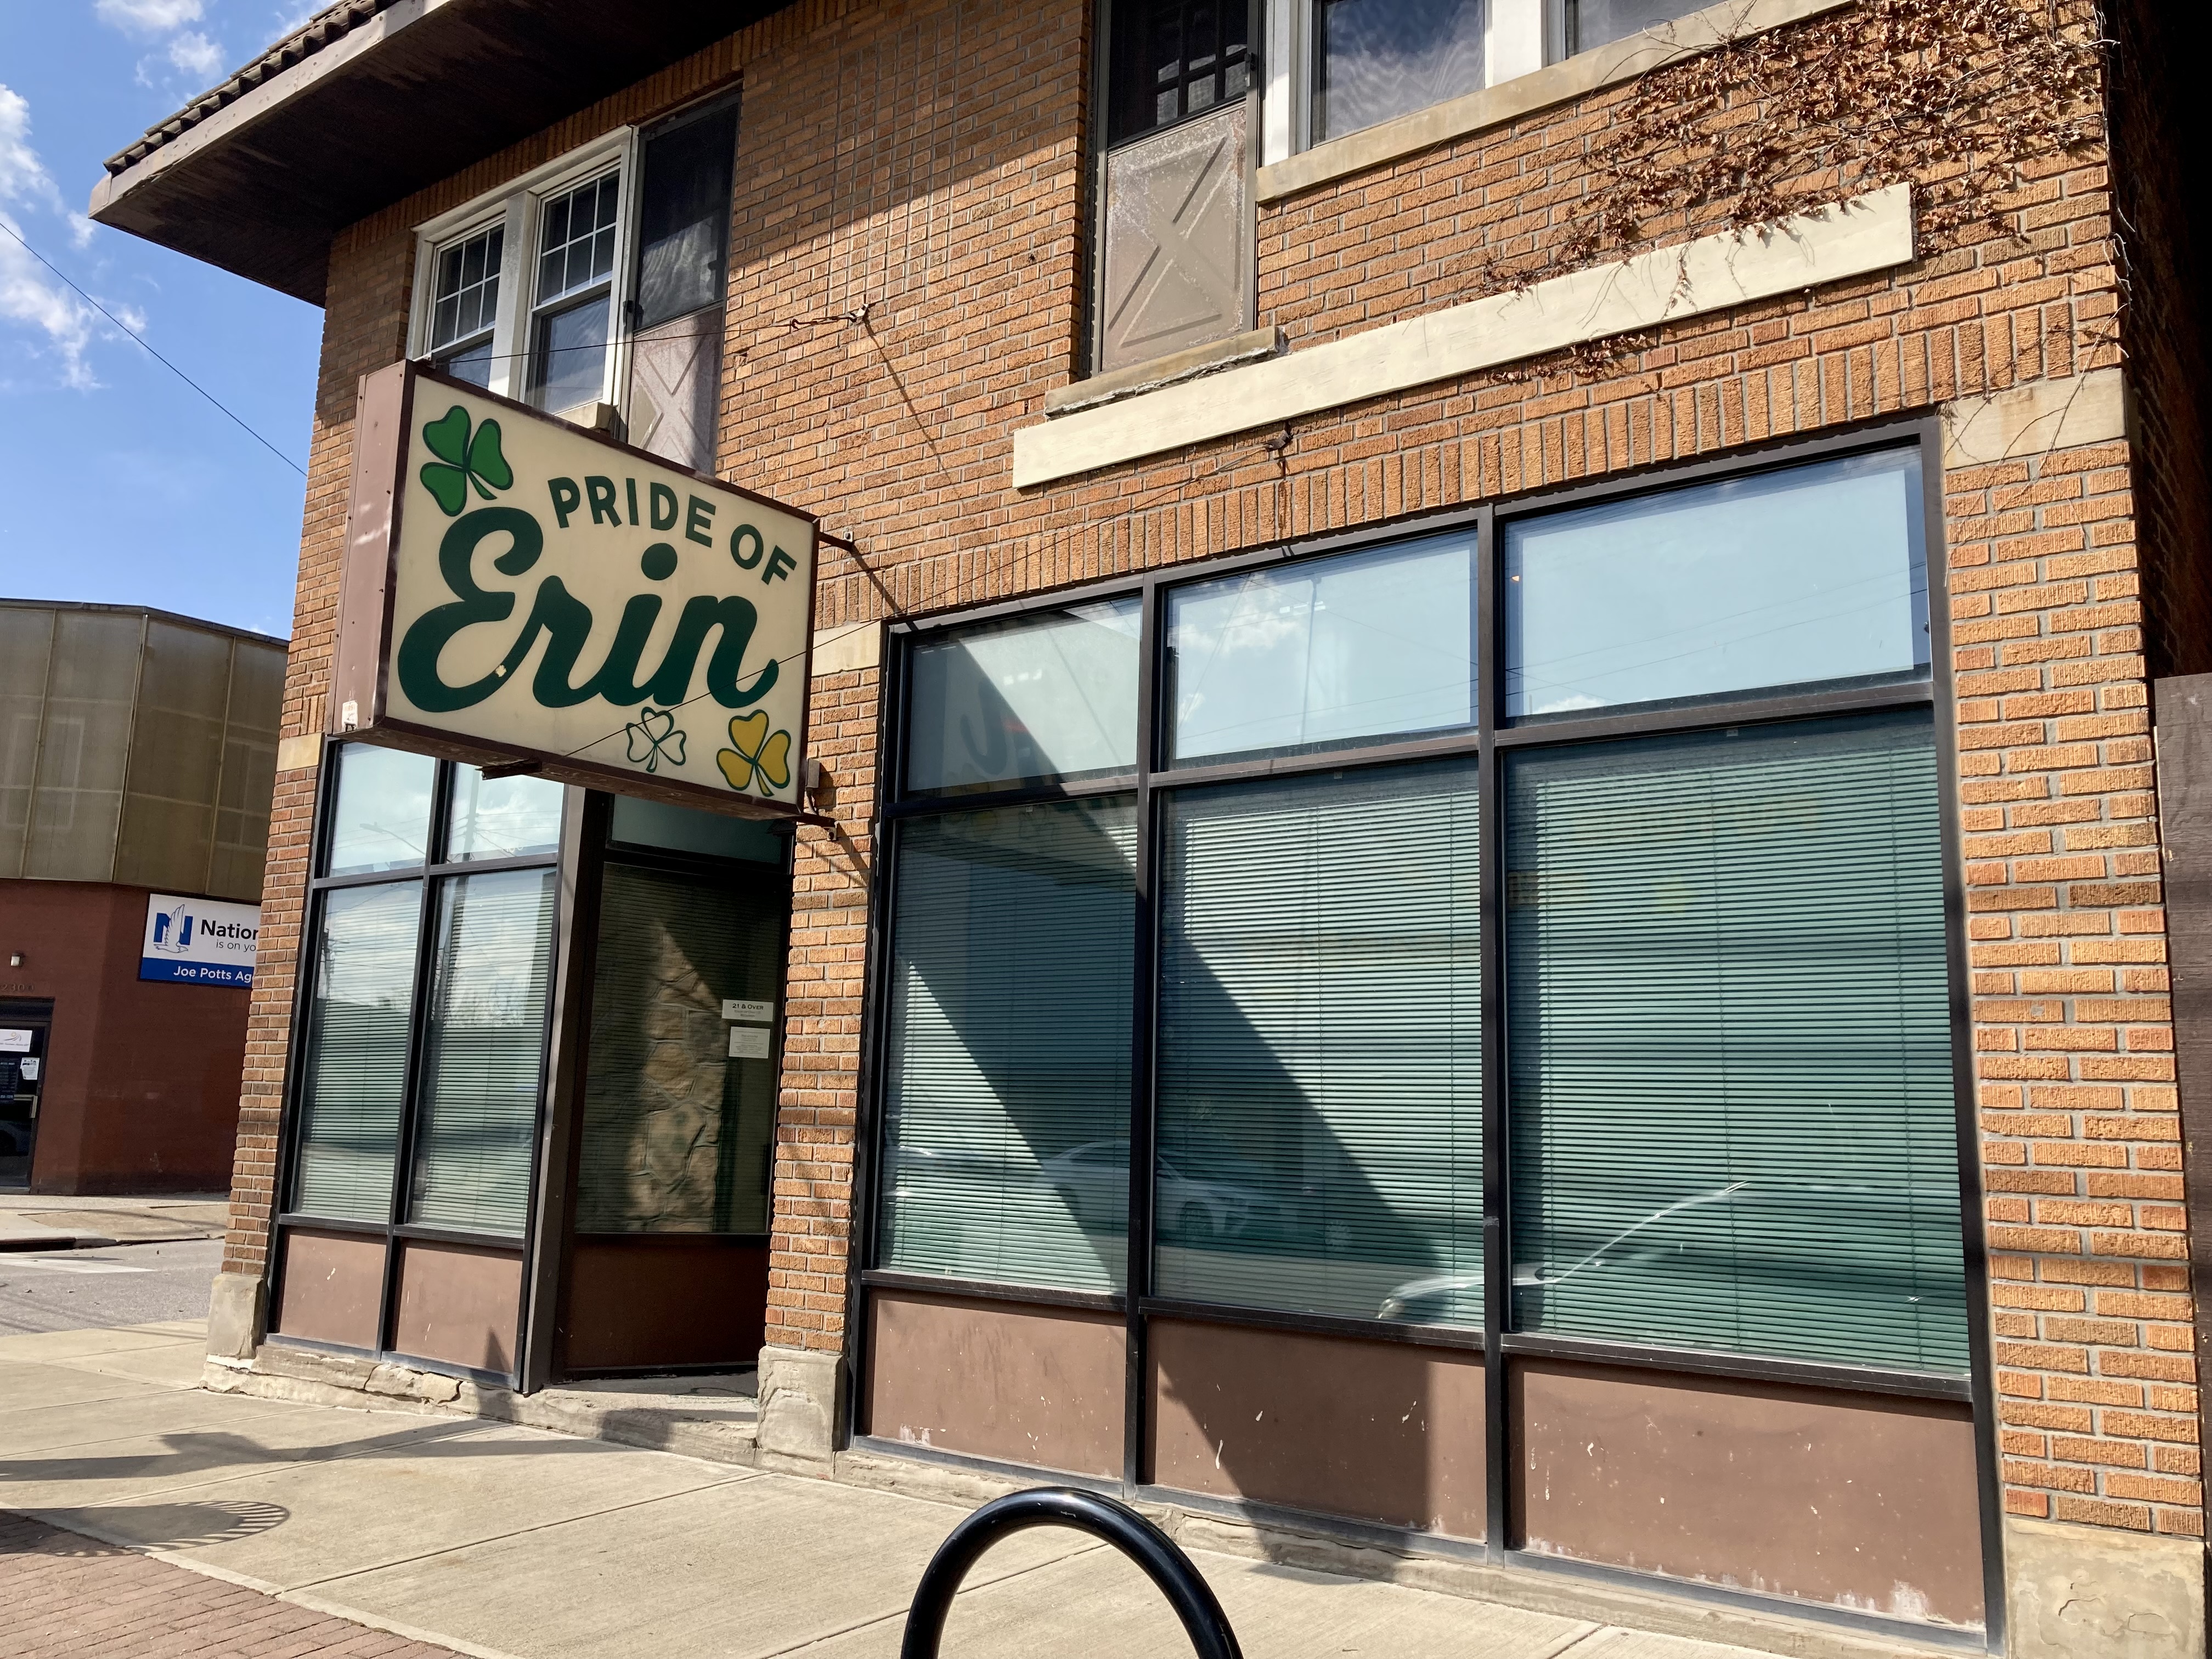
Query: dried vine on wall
x=1964, y=99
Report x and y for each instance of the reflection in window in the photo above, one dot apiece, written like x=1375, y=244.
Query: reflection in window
x=1730, y=1070
x=356, y=1059
x=1007, y=1105
x=1805, y=575
x=382, y=817
x=503, y=817
x=1027, y=701
x=1591, y=23
x=483, y=1052
x=1330, y=651
x=1380, y=58
x=683, y=216
x=1320, y=1048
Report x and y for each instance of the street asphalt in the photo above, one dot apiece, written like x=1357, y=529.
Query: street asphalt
x=89, y=1289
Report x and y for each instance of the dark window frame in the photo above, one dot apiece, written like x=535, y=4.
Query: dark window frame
x=395, y=1230
x=1490, y=740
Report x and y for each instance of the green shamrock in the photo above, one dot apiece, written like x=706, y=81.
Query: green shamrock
x=653, y=737
x=461, y=463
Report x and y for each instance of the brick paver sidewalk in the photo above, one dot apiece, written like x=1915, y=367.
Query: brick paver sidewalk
x=66, y=1597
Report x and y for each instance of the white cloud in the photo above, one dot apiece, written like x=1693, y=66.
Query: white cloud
x=31, y=295
x=23, y=176
x=149, y=16
x=195, y=54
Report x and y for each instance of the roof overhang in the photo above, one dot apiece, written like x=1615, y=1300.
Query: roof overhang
x=375, y=100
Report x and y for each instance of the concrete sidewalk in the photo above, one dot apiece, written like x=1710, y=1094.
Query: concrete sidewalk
x=38, y=1222
x=497, y=1540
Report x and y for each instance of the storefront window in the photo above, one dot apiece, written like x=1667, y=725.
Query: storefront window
x=1042, y=698
x=481, y=970
x=380, y=818
x=483, y=1051
x=1325, y=652
x=1730, y=1069
x=1321, y=1046
x=1710, y=1106
x=1776, y=581
x=1006, y=1108
x=356, y=1062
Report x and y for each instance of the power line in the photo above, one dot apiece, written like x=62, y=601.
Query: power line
x=150, y=352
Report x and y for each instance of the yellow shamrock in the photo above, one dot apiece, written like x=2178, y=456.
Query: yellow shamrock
x=758, y=754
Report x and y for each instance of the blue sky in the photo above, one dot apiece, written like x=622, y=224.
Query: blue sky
x=122, y=484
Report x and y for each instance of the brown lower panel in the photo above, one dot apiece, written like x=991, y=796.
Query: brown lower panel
x=675, y=1299
x=1373, y=1430
x=332, y=1288
x=1855, y=1500
x=1025, y=1385
x=458, y=1303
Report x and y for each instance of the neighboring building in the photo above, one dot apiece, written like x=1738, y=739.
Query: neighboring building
x=1376, y=662
x=137, y=757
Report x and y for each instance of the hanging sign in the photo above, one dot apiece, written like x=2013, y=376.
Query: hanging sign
x=518, y=592
x=199, y=941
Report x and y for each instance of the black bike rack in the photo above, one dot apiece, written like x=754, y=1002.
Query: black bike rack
x=1190, y=1596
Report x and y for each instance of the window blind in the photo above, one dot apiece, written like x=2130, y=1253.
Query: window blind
x=676, y=1135
x=1730, y=1078
x=484, y=1046
x=1320, y=1046
x=356, y=1060
x=1007, y=1115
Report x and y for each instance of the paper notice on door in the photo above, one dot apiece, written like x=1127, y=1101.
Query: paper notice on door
x=759, y=1013
x=748, y=1043
x=15, y=1043
x=27, y=1068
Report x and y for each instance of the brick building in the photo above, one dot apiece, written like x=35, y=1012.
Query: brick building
x=137, y=753
x=1376, y=660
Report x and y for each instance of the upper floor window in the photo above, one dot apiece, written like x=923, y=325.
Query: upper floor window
x=1338, y=66
x=613, y=296
x=1176, y=58
x=466, y=303
x=1380, y=58
x=1586, y=25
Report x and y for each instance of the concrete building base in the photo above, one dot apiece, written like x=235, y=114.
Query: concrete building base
x=2092, y=1593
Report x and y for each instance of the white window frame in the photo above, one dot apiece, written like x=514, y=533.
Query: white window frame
x=519, y=204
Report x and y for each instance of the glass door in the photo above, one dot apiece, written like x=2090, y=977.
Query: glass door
x=22, y=1077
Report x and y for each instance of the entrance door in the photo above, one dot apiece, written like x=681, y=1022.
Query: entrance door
x=22, y=1077
x=667, y=1265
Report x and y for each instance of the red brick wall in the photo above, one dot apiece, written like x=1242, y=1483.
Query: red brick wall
x=140, y=1090
x=904, y=288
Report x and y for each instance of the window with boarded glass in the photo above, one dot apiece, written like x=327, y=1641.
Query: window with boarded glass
x=1730, y=1083
x=1321, y=1046
x=1006, y=1100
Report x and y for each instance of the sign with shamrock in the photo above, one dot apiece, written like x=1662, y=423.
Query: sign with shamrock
x=518, y=589
x=463, y=460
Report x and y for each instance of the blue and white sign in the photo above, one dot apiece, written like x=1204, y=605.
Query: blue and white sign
x=199, y=941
